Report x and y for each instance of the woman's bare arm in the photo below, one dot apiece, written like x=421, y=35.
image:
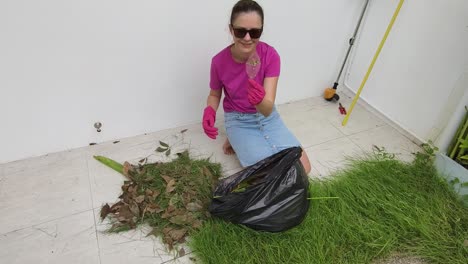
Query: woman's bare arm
x=266, y=106
x=214, y=98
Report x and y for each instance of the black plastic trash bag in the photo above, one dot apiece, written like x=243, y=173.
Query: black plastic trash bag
x=275, y=198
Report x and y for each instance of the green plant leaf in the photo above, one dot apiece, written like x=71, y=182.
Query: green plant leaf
x=168, y=152
x=463, y=144
x=465, y=157
x=454, y=143
x=454, y=181
x=160, y=149
x=463, y=147
x=110, y=163
x=163, y=144
x=464, y=199
x=464, y=184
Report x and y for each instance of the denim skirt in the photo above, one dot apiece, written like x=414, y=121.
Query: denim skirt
x=255, y=137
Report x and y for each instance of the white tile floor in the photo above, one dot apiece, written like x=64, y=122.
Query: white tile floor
x=49, y=205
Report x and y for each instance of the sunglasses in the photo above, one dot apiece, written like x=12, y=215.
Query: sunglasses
x=254, y=33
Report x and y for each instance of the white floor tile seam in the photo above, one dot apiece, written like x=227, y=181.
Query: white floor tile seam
x=10, y=168
x=399, y=155
x=363, y=130
x=379, y=127
x=94, y=214
x=364, y=150
x=179, y=257
x=324, y=142
x=2, y=180
x=410, y=138
x=140, y=236
x=330, y=159
x=342, y=135
x=45, y=222
x=67, y=150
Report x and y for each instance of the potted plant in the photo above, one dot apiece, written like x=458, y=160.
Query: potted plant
x=459, y=146
x=454, y=165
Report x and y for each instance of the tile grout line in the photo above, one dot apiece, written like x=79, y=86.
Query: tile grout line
x=364, y=151
x=175, y=259
x=324, y=142
x=330, y=123
x=356, y=144
x=390, y=127
x=94, y=214
x=365, y=130
x=337, y=128
x=370, y=129
x=45, y=222
x=2, y=177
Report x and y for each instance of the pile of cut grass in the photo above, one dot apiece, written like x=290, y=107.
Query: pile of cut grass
x=385, y=206
x=171, y=197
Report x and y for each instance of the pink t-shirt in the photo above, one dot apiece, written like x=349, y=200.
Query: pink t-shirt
x=232, y=76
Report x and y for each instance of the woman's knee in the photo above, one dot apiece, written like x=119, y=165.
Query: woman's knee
x=305, y=162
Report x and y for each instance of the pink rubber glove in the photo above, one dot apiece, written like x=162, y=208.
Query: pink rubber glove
x=255, y=92
x=209, y=118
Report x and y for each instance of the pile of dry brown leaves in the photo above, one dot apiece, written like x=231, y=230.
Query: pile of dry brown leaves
x=171, y=197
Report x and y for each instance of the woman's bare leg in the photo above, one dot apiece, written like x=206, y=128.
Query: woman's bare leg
x=305, y=162
x=227, y=148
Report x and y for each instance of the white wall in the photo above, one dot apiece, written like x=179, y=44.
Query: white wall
x=418, y=78
x=142, y=66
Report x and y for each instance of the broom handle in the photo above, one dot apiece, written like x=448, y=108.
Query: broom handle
x=351, y=43
x=371, y=66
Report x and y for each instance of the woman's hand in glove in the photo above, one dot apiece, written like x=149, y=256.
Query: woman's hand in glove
x=255, y=92
x=209, y=118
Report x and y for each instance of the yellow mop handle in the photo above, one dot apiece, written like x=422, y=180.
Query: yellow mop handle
x=345, y=120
